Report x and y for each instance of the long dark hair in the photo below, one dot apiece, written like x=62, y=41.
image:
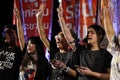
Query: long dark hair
x=100, y=32
x=13, y=38
x=41, y=59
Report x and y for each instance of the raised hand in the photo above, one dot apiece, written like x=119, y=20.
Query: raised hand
x=60, y=11
x=16, y=11
x=40, y=10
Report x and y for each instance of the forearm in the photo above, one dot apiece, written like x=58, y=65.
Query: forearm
x=102, y=76
x=66, y=31
x=41, y=30
x=108, y=25
x=42, y=33
x=20, y=33
x=70, y=72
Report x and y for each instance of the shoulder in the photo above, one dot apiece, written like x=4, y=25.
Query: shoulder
x=106, y=53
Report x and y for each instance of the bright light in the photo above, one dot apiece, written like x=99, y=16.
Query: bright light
x=59, y=1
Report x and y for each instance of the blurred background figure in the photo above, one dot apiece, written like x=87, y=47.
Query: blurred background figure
x=10, y=56
x=113, y=42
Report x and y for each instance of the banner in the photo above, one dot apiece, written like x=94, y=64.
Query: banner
x=28, y=10
x=88, y=9
x=79, y=14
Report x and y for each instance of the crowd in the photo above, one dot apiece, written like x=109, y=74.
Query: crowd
x=25, y=60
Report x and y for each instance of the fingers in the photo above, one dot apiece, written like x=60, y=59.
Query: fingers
x=41, y=10
x=60, y=12
x=58, y=64
x=42, y=7
x=80, y=71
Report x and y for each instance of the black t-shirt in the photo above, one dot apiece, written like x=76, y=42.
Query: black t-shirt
x=69, y=62
x=98, y=61
x=10, y=60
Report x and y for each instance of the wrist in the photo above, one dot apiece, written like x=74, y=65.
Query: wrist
x=61, y=17
x=66, y=69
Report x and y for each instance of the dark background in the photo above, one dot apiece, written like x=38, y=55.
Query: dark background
x=6, y=12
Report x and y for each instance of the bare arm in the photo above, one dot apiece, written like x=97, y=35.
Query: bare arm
x=64, y=27
x=41, y=30
x=107, y=23
x=20, y=31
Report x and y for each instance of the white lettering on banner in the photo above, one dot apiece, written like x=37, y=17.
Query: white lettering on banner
x=47, y=12
x=32, y=13
x=46, y=25
x=32, y=26
x=6, y=59
x=69, y=11
x=84, y=13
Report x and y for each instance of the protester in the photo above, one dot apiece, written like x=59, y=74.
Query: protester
x=34, y=66
x=94, y=62
x=113, y=43
x=10, y=57
x=60, y=56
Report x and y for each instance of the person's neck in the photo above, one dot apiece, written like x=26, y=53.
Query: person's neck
x=95, y=47
x=63, y=51
x=34, y=56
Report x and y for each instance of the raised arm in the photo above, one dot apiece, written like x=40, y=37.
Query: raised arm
x=41, y=30
x=107, y=23
x=66, y=31
x=20, y=31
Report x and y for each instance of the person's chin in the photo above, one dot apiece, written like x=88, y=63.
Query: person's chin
x=6, y=44
x=29, y=52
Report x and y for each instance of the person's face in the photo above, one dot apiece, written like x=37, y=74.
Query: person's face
x=92, y=36
x=31, y=47
x=6, y=38
x=60, y=41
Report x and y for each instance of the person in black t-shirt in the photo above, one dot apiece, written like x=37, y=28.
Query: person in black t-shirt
x=10, y=56
x=61, y=55
x=94, y=62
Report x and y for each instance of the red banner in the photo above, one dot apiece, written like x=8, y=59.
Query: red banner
x=79, y=14
x=28, y=10
x=87, y=15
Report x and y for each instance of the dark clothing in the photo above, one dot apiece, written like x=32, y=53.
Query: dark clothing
x=98, y=61
x=10, y=60
x=71, y=62
x=42, y=71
